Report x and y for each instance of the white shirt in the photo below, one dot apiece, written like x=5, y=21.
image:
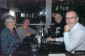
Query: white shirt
x=75, y=38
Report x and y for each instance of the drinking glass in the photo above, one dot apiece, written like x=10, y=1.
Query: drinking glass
x=34, y=48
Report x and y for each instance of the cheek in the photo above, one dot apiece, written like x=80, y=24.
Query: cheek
x=76, y=21
x=11, y=24
x=55, y=19
x=67, y=20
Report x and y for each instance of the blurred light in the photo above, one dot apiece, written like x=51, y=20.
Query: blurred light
x=45, y=12
x=41, y=13
x=12, y=13
x=22, y=14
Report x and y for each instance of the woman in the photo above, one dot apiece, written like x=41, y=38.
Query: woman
x=9, y=38
x=25, y=30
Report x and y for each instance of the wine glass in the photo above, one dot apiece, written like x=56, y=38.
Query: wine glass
x=34, y=48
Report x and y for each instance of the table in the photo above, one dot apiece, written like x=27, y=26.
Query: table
x=44, y=49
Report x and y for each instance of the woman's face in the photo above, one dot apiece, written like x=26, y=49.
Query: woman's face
x=10, y=24
x=26, y=22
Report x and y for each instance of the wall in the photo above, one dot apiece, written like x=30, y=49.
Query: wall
x=3, y=4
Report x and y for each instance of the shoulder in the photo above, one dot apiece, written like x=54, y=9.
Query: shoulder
x=19, y=28
x=5, y=31
x=80, y=28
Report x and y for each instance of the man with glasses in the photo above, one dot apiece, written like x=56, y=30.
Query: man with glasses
x=57, y=29
x=74, y=33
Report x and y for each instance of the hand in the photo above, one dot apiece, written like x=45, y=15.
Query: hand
x=50, y=39
x=36, y=36
x=67, y=28
x=28, y=34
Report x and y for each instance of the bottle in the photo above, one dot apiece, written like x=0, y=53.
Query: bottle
x=39, y=39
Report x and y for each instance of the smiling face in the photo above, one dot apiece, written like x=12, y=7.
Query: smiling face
x=58, y=18
x=71, y=18
x=26, y=22
x=10, y=24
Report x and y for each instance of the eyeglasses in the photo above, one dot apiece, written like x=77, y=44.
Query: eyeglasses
x=58, y=17
x=27, y=21
x=71, y=18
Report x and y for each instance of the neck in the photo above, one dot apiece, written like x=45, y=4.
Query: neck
x=24, y=27
x=11, y=29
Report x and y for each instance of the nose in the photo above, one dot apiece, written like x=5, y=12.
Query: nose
x=68, y=19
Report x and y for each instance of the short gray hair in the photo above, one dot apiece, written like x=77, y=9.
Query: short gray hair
x=9, y=17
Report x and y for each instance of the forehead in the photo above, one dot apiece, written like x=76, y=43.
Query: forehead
x=10, y=20
x=27, y=20
x=57, y=15
x=70, y=14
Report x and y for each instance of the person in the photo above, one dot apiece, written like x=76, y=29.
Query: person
x=9, y=37
x=58, y=27
x=74, y=33
x=25, y=30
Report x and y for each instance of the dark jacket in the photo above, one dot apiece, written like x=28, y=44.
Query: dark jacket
x=9, y=41
x=52, y=30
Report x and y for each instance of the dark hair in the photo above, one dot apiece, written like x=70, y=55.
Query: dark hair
x=26, y=18
x=73, y=11
x=58, y=13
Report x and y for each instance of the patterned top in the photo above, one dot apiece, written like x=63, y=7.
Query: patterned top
x=9, y=41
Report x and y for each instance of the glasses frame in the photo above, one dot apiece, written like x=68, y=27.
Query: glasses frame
x=72, y=17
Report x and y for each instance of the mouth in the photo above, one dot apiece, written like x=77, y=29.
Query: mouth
x=69, y=23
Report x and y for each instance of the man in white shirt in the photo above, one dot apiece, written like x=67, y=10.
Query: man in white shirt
x=74, y=33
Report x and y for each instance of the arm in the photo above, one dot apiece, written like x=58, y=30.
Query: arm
x=73, y=41
x=5, y=43
x=60, y=39
x=32, y=31
x=55, y=39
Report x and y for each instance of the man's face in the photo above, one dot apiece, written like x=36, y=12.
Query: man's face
x=71, y=18
x=26, y=22
x=58, y=18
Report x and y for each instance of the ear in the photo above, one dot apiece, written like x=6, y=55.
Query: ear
x=77, y=18
x=61, y=18
x=23, y=22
